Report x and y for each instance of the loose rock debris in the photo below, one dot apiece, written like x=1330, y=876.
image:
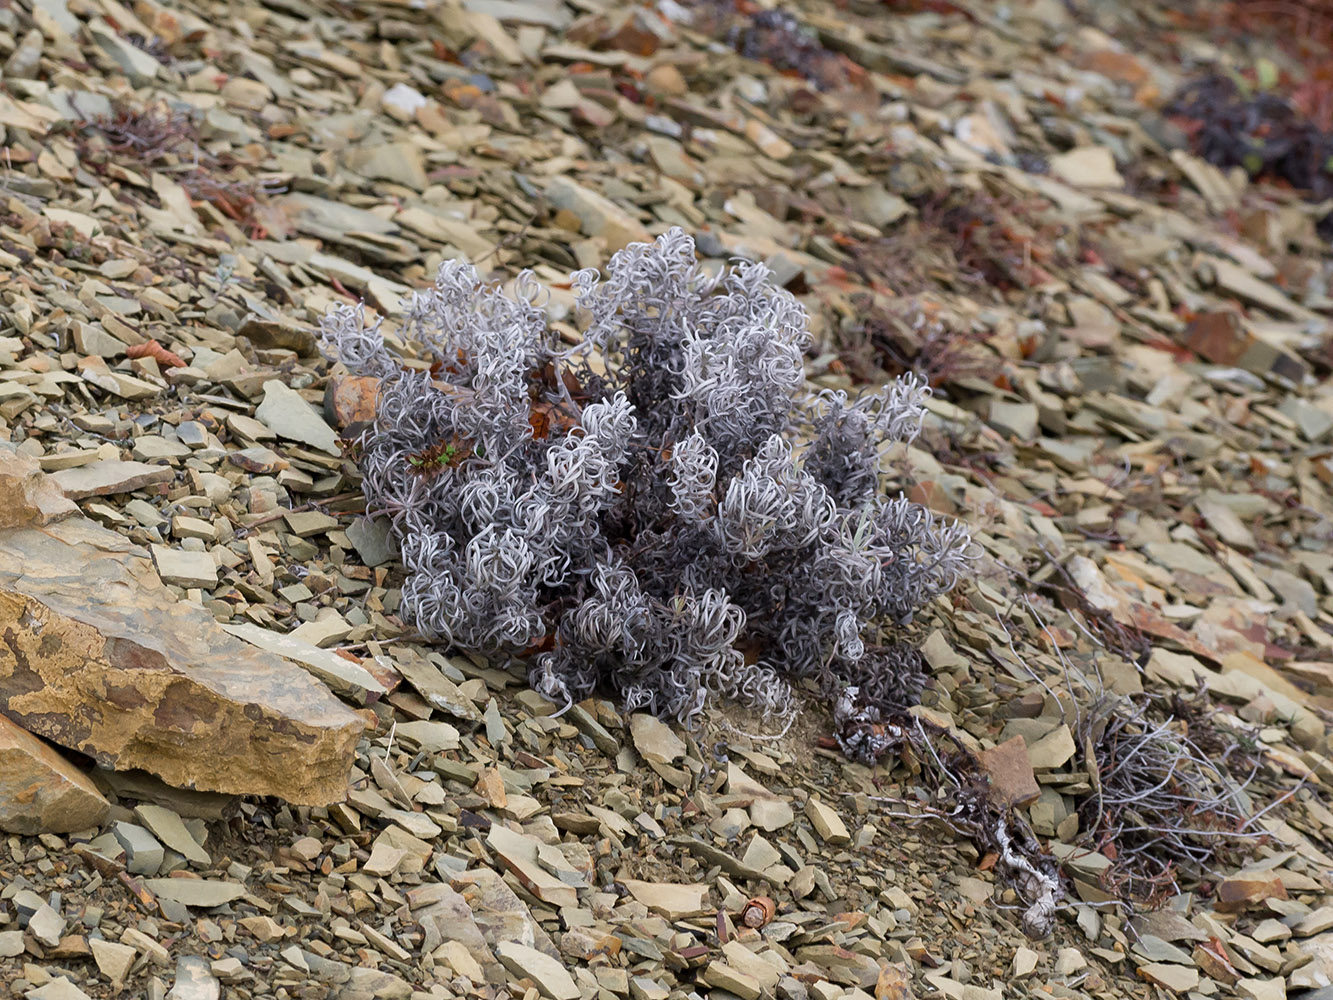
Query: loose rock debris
x=1130, y=351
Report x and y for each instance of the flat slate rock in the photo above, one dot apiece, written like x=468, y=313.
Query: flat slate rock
x=342, y=675
x=110, y=476
x=197, y=892
x=287, y=414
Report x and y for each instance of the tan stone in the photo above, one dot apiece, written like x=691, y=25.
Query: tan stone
x=40, y=791
x=765, y=972
x=551, y=977
x=721, y=976
x=29, y=497
x=1052, y=750
x=491, y=787
x=108, y=477
x=1087, y=166
x=457, y=957
x=654, y=739
x=100, y=657
x=672, y=900
x=1024, y=963
x=113, y=959
x=666, y=79
x=1010, y=772
x=597, y=214
x=828, y=824
x=1176, y=978
x=519, y=854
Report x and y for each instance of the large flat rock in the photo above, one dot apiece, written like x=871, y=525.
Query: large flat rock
x=97, y=655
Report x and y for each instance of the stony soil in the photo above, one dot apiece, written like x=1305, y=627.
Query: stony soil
x=1133, y=412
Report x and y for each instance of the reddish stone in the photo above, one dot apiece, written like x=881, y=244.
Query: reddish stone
x=1010, y=772
x=350, y=399
x=1119, y=66
x=1221, y=338
x=1243, y=890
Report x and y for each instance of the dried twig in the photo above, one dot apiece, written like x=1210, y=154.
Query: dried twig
x=953, y=776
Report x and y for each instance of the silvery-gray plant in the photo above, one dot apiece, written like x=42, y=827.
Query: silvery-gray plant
x=664, y=512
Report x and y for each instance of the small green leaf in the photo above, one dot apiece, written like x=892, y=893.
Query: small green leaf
x=1267, y=73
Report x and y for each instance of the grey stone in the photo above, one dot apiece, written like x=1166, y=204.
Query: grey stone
x=11, y=944
x=151, y=447
x=340, y=674
x=373, y=540
x=194, y=980
x=143, y=852
x=136, y=63
x=1151, y=948
x=79, y=105
x=192, y=433
x=1313, y=422
x=204, y=893
x=1017, y=420
x=398, y=162
x=372, y=984
x=170, y=829
x=428, y=735
x=289, y=416
x=594, y=730
x=27, y=56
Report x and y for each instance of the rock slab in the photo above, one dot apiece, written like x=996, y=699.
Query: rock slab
x=97, y=655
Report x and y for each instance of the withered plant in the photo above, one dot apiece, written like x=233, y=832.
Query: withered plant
x=1170, y=797
x=663, y=512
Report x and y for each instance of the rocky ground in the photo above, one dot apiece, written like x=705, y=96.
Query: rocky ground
x=1131, y=349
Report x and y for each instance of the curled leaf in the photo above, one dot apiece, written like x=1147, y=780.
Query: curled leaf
x=152, y=349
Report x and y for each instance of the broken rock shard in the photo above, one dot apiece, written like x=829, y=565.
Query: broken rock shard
x=40, y=791
x=29, y=497
x=97, y=655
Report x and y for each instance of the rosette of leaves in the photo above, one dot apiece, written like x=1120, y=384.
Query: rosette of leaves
x=664, y=512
